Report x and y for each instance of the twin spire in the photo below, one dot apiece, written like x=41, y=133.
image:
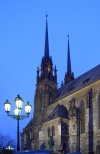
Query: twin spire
x=46, y=71
x=46, y=50
x=69, y=74
x=68, y=59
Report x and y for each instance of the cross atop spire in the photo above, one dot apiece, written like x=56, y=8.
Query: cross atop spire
x=46, y=50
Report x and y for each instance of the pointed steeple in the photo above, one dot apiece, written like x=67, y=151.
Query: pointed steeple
x=69, y=76
x=46, y=50
x=68, y=59
x=47, y=71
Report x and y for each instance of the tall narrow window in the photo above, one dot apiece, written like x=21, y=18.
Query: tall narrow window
x=40, y=99
x=99, y=110
x=82, y=117
x=53, y=131
x=49, y=132
x=50, y=95
x=25, y=138
x=30, y=133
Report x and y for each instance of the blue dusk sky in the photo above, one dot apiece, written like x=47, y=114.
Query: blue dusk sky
x=22, y=37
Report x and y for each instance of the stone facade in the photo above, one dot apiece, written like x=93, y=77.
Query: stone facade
x=77, y=131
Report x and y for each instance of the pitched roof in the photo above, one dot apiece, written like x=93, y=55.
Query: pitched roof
x=59, y=111
x=80, y=82
x=29, y=124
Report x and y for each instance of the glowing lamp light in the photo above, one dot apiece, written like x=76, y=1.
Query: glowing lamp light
x=7, y=106
x=17, y=111
x=28, y=108
x=17, y=116
x=19, y=102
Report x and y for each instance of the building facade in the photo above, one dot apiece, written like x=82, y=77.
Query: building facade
x=70, y=114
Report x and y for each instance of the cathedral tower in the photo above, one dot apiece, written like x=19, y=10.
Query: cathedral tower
x=46, y=87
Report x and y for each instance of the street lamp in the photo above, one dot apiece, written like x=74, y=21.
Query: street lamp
x=98, y=140
x=19, y=103
x=98, y=147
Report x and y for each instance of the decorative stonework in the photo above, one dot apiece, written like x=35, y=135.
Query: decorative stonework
x=94, y=93
x=79, y=97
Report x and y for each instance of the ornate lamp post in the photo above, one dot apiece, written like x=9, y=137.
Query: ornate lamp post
x=19, y=102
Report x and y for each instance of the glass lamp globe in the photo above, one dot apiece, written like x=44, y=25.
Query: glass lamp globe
x=28, y=108
x=7, y=106
x=19, y=102
x=98, y=137
x=17, y=111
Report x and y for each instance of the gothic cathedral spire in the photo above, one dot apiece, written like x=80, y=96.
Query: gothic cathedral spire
x=68, y=59
x=69, y=75
x=46, y=89
x=46, y=71
x=46, y=86
x=46, y=50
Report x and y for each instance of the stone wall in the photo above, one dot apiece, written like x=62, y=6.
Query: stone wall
x=80, y=95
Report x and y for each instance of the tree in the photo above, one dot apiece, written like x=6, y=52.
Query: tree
x=6, y=141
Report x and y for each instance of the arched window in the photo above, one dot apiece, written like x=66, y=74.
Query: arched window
x=49, y=132
x=82, y=117
x=99, y=110
x=53, y=131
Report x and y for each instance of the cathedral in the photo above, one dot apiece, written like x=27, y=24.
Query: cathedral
x=69, y=114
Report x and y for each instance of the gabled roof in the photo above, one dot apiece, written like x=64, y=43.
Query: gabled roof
x=29, y=124
x=80, y=82
x=59, y=111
